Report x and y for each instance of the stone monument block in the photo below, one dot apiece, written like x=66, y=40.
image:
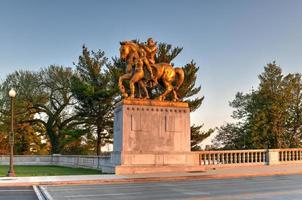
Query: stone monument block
x=151, y=136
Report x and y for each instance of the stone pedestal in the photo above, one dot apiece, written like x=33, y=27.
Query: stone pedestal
x=152, y=136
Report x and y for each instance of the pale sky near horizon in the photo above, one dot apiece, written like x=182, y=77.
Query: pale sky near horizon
x=230, y=40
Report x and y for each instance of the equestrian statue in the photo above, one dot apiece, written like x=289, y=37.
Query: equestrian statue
x=139, y=57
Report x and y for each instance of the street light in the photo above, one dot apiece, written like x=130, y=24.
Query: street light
x=11, y=172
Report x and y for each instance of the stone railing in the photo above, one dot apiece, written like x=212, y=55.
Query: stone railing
x=233, y=157
x=78, y=161
x=230, y=158
x=27, y=159
x=290, y=155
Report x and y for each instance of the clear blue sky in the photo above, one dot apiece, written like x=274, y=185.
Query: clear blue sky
x=230, y=40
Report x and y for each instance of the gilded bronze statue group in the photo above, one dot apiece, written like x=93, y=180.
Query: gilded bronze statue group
x=143, y=72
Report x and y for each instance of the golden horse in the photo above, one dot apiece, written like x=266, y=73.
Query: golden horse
x=134, y=55
x=131, y=53
x=167, y=74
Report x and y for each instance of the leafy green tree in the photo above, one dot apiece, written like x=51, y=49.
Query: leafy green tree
x=61, y=123
x=27, y=138
x=96, y=94
x=44, y=106
x=269, y=117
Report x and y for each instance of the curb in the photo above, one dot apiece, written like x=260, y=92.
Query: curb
x=144, y=180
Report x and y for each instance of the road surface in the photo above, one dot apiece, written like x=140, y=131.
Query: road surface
x=17, y=193
x=272, y=187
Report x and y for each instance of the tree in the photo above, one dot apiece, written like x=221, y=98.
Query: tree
x=96, y=94
x=269, y=117
x=27, y=139
x=61, y=123
x=44, y=106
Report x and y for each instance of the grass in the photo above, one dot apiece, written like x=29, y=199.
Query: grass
x=46, y=171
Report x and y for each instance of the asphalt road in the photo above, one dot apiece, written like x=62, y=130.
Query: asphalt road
x=273, y=187
x=17, y=193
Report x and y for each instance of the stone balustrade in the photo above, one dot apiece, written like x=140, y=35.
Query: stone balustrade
x=233, y=157
x=250, y=157
x=290, y=155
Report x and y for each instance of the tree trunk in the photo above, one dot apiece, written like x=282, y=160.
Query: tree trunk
x=98, y=140
x=54, y=141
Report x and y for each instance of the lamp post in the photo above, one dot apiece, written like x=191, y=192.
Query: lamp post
x=11, y=172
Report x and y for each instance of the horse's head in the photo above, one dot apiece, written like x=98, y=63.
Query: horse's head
x=124, y=50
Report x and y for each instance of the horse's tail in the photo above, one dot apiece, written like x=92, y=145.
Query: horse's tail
x=181, y=77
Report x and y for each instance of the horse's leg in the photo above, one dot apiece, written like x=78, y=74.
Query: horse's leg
x=138, y=87
x=175, y=96
x=158, y=72
x=138, y=75
x=169, y=88
x=121, y=86
x=143, y=86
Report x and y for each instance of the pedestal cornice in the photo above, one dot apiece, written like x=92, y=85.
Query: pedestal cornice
x=148, y=102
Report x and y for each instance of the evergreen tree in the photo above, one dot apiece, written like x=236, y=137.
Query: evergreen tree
x=96, y=92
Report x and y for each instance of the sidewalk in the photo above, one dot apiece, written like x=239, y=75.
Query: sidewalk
x=111, y=179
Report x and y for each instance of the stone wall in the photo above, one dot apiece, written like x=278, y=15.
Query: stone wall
x=77, y=161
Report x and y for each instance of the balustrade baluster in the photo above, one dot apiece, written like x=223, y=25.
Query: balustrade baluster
x=209, y=159
x=252, y=157
x=222, y=158
x=243, y=157
x=239, y=157
x=231, y=158
x=287, y=156
x=205, y=159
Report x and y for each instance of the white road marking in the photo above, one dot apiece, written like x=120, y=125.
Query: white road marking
x=45, y=193
x=38, y=193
